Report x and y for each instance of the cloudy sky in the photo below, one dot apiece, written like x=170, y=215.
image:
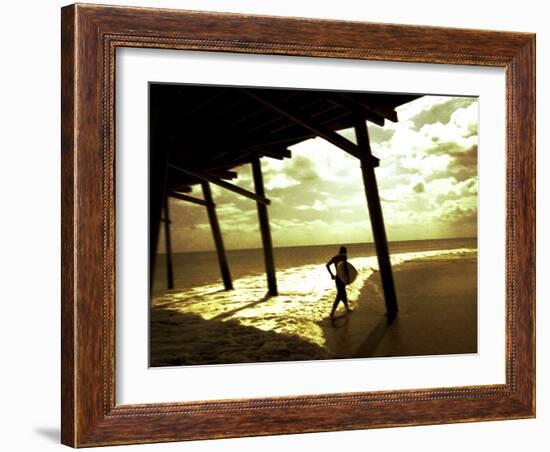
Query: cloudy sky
x=427, y=180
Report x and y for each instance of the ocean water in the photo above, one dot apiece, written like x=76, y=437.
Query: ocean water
x=196, y=269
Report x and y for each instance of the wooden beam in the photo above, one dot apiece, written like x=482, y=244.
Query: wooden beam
x=230, y=143
x=187, y=198
x=265, y=231
x=381, y=110
x=384, y=105
x=262, y=124
x=376, y=219
x=318, y=129
x=279, y=154
x=217, y=235
x=356, y=108
x=168, y=245
x=224, y=174
x=181, y=188
x=194, y=111
x=207, y=178
x=303, y=107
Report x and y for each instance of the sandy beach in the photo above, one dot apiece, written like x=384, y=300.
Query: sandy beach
x=436, y=292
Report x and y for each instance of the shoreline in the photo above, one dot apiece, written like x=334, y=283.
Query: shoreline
x=245, y=326
x=191, y=270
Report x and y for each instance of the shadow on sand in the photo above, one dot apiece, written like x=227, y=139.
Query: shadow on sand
x=226, y=314
x=188, y=339
x=374, y=338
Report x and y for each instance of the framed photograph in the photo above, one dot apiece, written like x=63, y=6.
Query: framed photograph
x=282, y=225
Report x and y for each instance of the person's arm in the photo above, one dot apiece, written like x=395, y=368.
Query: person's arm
x=328, y=268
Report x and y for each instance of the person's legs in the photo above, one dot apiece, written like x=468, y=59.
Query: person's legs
x=335, y=305
x=342, y=294
x=344, y=297
x=345, y=300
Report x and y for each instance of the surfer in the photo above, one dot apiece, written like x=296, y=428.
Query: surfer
x=341, y=294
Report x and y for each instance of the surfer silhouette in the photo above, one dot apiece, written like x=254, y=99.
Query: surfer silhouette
x=341, y=295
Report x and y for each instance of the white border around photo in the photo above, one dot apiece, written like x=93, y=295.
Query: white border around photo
x=137, y=383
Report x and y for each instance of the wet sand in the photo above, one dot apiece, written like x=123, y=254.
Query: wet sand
x=437, y=315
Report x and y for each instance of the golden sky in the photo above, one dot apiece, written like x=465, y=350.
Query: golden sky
x=427, y=181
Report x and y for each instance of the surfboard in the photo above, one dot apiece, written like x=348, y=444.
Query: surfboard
x=346, y=272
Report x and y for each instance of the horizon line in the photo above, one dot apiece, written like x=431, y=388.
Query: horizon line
x=324, y=244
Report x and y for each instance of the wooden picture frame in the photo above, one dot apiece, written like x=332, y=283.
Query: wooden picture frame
x=90, y=36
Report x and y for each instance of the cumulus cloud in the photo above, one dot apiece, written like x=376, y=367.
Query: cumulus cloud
x=377, y=134
x=440, y=113
x=301, y=168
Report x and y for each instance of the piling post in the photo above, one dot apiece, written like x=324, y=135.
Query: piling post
x=217, y=234
x=376, y=217
x=265, y=230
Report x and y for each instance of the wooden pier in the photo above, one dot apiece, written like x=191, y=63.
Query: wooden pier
x=200, y=134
